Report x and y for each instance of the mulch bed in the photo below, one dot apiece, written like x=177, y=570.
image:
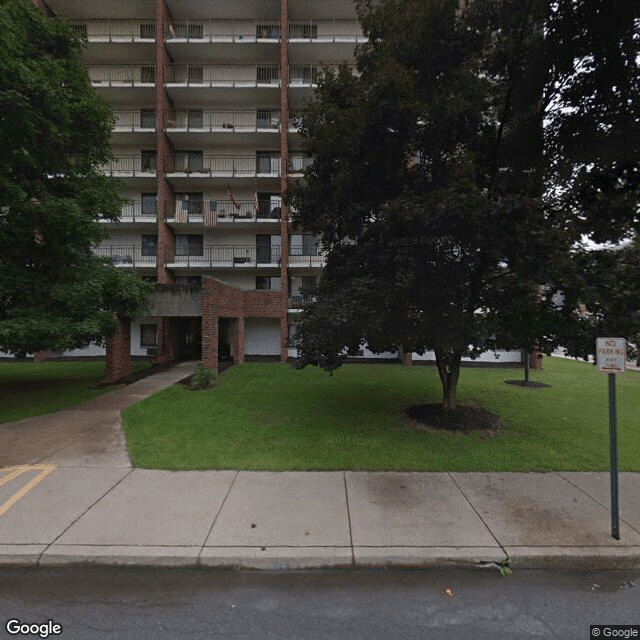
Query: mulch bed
x=466, y=418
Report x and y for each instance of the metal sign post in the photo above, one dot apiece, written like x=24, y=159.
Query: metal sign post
x=611, y=356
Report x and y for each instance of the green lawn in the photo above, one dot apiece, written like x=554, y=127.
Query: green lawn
x=272, y=417
x=33, y=388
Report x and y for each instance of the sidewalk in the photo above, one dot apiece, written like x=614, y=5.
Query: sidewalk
x=68, y=508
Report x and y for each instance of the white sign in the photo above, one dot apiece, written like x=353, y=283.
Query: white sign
x=611, y=355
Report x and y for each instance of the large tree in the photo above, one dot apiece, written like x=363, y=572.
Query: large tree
x=55, y=132
x=427, y=187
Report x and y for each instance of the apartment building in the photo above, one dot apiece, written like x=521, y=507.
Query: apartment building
x=206, y=95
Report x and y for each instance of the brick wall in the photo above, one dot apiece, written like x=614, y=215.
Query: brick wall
x=118, y=356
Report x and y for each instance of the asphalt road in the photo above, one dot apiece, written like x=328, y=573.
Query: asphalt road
x=320, y=605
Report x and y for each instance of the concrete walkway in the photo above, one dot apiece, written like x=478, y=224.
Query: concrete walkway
x=68, y=495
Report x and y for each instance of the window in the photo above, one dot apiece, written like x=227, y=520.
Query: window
x=150, y=279
x=267, y=162
x=148, y=335
x=268, y=283
x=190, y=202
x=189, y=245
x=268, y=75
x=302, y=284
x=148, y=160
x=81, y=30
x=147, y=119
x=267, y=31
x=195, y=119
x=148, y=31
x=303, y=30
x=149, y=245
x=149, y=204
x=269, y=205
x=304, y=245
x=148, y=74
x=267, y=119
x=189, y=161
x=195, y=74
x=267, y=248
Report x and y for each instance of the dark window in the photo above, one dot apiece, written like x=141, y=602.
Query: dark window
x=149, y=245
x=148, y=31
x=267, y=31
x=189, y=245
x=147, y=119
x=303, y=30
x=269, y=205
x=267, y=119
x=148, y=160
x=268, y=283
x=148, y=335
x=304, y=245
x=81, y=30
x=195, y=118
x=148, y=74
x=191, y=202
x=189, y=161
x=268, y=75
x=264, y=161
x=149, y=204
x=195, y=74
x=150, y=279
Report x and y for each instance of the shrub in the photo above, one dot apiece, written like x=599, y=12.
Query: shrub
x=201, y=377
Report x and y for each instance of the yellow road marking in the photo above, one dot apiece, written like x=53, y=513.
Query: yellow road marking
x=45, y=471
x=13, y=474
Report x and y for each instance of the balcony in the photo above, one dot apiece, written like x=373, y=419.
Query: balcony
x=128, y=255
x=122, y=75
x=212, y=212
x=247, y=31
x=115, y=30
x=244, y=31
x=185, y=165
x=209, y=121
x=229, y=256
x=130, y=167
x=325, y=31
x=139, y=121
x=298, y=164
x=304, y=256
x=135, y=211
x=207, y=75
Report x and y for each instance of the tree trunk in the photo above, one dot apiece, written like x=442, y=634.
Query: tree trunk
x=448, y=363
x=527, y=366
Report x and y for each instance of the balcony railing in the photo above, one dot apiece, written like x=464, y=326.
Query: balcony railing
x=232, y=75
x=298, y=164
x=136, y=211
x=128, y=255
x=229, y=256
x=229, y=120
x=140, y=120
x=130, y=166
x=262, y=30
x=115, y=30
x=222, y=31
x=122, y=75
x=222, y=166
x=221, y=211
x=335, y=30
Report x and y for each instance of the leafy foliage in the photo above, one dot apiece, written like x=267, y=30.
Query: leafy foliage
x=54, y=293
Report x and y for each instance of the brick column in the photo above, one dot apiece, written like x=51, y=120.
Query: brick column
x=164, y=149
x=118, y=356
x=209, y=326
x=238, y=339
x=284, y=169
x=166, y=341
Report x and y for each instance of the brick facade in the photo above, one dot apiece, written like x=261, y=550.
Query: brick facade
x=118, y=357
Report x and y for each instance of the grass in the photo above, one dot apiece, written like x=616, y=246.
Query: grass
x=272, y=417
x=33, y=388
